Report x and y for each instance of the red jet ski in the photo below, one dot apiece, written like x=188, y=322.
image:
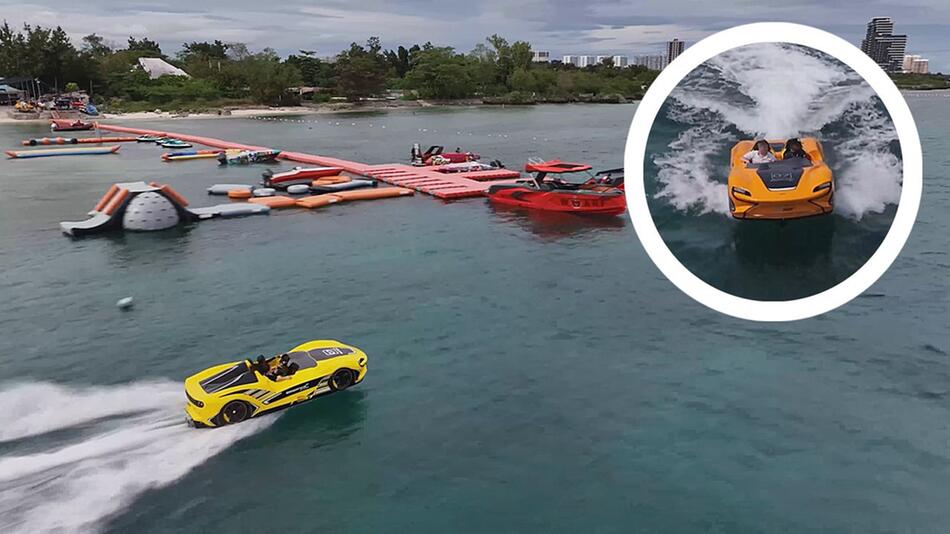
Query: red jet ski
x=600, y=194
x=65, y=125
x=298, y=175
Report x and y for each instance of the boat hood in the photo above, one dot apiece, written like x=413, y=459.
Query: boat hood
x=782, y=174
x=223, y=377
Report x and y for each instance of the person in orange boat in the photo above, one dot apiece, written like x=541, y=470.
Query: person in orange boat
x=761, y=153
x=794, y=149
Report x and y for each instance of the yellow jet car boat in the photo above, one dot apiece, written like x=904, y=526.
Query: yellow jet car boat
x=233, y=392
x=788, y=188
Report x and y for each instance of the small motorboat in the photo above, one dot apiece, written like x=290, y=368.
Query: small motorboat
x=556, y=194
x=297, y=175
x=174, y=144
x=788, y=188
x=469, y=166
x=344, y=186
x=149, y=139
x=66, y=125
x=245, y=157
x=436, y=155
x=190, y=155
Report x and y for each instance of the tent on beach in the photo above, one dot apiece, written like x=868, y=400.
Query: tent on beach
x=9, y=95
x=157, y=67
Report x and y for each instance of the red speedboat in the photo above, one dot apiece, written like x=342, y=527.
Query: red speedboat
x=298, y=175
x=598, y=194
x=67, y=125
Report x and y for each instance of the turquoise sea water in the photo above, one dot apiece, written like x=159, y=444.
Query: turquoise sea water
x=526, y=372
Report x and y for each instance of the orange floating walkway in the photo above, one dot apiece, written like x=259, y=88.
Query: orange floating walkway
x=422, y=179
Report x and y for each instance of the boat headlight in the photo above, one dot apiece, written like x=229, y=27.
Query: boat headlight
x=362, y=362
x=740, y=191
x=821, y=187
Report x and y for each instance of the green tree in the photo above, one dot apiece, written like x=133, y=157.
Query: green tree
x=202, y=51
x=402, y=59
x=268, y=79
x=508, y=58
x=145, y=45
x=95, y=46
x=313, y=71
x=440, y=73
x=361, y=71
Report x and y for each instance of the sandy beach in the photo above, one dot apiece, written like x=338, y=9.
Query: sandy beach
x=11, y=116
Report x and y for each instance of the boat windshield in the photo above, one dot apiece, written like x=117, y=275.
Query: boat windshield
x=567, y=178
x=790, y=163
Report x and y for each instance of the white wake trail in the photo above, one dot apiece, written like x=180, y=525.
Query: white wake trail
x=135, y=439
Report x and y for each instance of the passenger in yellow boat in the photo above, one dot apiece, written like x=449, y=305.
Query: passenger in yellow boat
x=761, y=153
x=288, y=372
x=794, y=149
x=279, y=369
x=261, y=365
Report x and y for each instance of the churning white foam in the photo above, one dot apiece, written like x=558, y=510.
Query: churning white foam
x=778, y=91
x=134, y=438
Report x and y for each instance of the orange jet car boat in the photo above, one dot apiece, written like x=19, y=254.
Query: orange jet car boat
x=790, y=188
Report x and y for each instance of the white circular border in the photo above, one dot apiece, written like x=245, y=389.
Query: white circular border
x=756, y=310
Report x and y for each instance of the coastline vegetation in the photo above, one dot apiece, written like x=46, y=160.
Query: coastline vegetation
x=917, y=82
x=230, y=75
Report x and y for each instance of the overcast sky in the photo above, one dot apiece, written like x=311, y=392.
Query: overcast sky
x=560, y=26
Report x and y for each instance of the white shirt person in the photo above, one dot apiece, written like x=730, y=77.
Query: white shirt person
x=761, y=153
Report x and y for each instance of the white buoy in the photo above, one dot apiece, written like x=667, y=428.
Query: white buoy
x=124, y=303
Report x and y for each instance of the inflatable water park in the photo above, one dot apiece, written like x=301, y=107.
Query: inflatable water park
x=318, y=182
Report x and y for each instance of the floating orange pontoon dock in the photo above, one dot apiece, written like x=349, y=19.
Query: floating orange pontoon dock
x=422, y=179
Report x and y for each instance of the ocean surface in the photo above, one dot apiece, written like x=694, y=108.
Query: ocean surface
x=772, y=91
x=526, y=372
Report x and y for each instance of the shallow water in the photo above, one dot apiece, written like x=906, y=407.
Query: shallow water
x=526, y=372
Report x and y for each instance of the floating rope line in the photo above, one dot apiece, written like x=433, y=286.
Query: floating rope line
x=499, y=135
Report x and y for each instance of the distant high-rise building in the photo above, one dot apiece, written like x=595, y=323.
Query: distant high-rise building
x=655, y=62
x=673, y=49
x=915, y=64
x=587, y=61
x=590, y=61
x=541, y=56
x=571, y=60
x=881, y=45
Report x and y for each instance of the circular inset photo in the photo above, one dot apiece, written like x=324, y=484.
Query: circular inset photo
x=772, y=172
